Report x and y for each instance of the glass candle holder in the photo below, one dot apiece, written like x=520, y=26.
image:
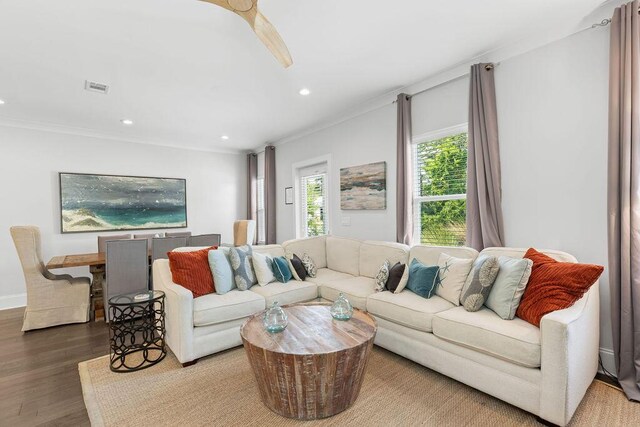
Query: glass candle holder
x=341, y=308
x=275, y=319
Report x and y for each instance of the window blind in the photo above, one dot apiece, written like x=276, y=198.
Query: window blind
x=314, y=204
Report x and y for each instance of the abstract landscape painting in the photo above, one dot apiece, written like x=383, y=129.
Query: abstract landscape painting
x=364, y=187
x=108, y=202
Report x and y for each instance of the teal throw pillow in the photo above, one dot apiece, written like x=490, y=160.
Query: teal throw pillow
x=221, y=268
x=281, y=269
x=423, y=279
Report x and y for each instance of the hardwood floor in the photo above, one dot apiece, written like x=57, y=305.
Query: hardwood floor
x=39, y=381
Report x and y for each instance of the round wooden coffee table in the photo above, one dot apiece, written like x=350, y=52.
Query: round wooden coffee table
x=315, y=367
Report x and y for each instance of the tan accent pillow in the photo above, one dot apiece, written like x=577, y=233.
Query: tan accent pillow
x=453, y=275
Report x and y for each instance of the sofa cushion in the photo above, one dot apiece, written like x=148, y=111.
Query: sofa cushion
x=513, y=340
x=343, y=255
x=213, y=308
x=429, y=255
x=373, y=254
x=356, y=290
x=407, y=308
x=325, y=275
x=272, y=251
x=315, y=247
x=287, y=293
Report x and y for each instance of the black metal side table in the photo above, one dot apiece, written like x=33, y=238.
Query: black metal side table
x=136, y=330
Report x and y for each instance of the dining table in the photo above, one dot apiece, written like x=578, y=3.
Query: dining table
x=96, y=262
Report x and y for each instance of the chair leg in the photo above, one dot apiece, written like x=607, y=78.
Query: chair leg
x=193, y=362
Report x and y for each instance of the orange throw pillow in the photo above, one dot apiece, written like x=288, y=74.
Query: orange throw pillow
x=554, y=285
x=191, y=270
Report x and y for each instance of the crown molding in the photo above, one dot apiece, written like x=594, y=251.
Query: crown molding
x=10, y=122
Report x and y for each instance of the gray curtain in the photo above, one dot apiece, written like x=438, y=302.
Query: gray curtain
x=270, y=194
x=252, y=188
x=404, y=177
x=484, y=191
x=624, y=195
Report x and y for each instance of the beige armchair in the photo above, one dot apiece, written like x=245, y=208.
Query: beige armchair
x=244, y=232
x=51, y=299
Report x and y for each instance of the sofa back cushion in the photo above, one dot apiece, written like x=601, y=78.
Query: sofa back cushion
x=429, y=255
x=272, y=251
x=343, y=255
x=373, y=254
x=519, y=253
x=315, y=247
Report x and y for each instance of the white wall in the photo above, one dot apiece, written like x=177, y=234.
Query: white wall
x=32, y=159
x=552, y=107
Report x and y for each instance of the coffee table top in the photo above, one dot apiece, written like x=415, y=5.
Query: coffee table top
x=311, y=330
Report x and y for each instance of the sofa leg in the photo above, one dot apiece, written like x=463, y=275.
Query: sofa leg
x=545, y=422
x=193, y=362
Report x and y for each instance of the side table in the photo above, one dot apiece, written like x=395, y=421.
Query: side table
x=136, y=330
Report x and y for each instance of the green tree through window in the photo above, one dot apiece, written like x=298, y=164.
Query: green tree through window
x=441, y=190
x=315, y=205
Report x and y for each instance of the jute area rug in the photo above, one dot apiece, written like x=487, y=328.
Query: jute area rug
x=220, y=390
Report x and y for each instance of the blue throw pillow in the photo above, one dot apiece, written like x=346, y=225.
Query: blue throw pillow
x=281, y=269
x=223, y=279
x=423, y=280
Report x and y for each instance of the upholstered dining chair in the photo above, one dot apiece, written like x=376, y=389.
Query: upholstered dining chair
x=162, y=245
x=51, y=299
x=102, y=240
x=148, y=237
x=127, y=269
x=244, y=232
x=205, y=240
x=177, y=234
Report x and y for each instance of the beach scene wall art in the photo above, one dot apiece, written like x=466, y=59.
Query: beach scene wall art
x=364, y=187
x=108, y=202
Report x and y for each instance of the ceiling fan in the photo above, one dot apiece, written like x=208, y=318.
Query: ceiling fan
x=248, y=9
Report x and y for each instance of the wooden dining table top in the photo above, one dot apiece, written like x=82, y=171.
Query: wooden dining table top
x=79, y=260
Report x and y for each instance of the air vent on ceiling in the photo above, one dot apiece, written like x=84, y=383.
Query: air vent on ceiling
x=96, y=87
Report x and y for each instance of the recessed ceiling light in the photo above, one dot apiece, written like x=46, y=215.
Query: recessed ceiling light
x=225, y=137
x=304, y=91
x=1, y=102
x=127, y=122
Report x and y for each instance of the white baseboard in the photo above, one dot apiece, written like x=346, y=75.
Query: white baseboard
x=608, y=361
x=13, y=301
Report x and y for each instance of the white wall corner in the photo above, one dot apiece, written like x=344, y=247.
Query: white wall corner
x=608, y=361
x=13, y=301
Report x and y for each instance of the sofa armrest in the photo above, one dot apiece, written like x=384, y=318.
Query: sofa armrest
x=178, y=312
x=570, y=349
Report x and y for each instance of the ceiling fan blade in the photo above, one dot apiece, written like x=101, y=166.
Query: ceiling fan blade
x=270, y=37
x=248, y=10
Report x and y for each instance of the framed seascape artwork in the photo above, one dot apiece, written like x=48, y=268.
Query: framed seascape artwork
x=112, y=202
x=364, y=187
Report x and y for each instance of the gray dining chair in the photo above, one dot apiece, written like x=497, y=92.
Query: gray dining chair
x=102, y=240
x=178, y=234
x=163, y=245
x=127, y=269
x=205, y=240
x=149, y=237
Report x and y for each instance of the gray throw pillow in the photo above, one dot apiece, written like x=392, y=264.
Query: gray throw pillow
x=509, y=286
x=479, y=282
x=240, y=258
x=309, y=265
x=382, y=276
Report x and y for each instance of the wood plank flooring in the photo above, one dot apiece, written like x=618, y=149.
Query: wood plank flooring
x=39, y=381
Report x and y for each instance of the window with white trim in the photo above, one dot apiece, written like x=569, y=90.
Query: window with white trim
x=314, y=219
x=440, y=187
x=260, y=213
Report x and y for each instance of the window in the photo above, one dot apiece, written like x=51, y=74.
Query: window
x=313, y=204
x=261, y=218
x=440, y=187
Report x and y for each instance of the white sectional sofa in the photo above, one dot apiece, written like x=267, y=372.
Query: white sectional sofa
x=545, y=371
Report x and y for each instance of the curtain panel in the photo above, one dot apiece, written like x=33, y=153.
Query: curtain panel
x=624, y=195
x=252, y=188
x=404, y=172
x=270, y=194
x=484, y=192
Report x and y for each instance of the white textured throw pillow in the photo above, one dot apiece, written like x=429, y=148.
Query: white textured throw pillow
x=453, y=275
x=382, y=276
x=262, y=267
